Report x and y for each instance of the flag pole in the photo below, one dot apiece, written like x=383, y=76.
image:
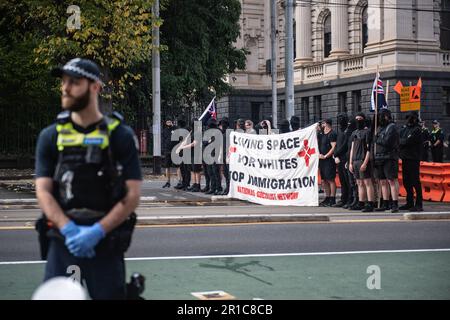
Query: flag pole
x=376, y=114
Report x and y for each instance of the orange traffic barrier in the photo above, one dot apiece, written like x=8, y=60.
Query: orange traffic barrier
x=401, y=190
x=431, y=178
x=446, y=182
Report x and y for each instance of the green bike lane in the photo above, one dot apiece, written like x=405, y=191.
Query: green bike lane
x=406, y=274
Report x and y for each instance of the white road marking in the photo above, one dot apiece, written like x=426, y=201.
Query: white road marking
x=254, y=255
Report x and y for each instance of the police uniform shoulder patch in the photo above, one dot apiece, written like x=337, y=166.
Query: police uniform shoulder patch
x=117, y=116
x=63, y=117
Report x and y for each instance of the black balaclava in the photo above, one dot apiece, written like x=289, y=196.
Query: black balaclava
x=284, y=126
x=295, y=123
x=360, y=124
x=342, y=119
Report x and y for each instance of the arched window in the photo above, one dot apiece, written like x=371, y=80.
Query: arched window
x=364, y=30
x=327, y=36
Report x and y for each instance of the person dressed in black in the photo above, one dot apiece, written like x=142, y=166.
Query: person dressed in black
x=213, y=169
x=437, y=142
x=185, y=166
x=360, y=164
x=284, y=126
x=196, y=159
x=224, y=126
x=340, y=158
x=386, y=160
x=166, y=148
x=88, y=182
x=353, y=186
x=410, y=153
x=327, y=166
x=295, y=123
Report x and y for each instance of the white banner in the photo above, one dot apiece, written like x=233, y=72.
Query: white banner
x=279, y=169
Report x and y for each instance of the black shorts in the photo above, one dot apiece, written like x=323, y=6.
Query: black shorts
x=196, y=168
x=327, y=168
x=167, y=161
x=387, y=170
x=357, y=170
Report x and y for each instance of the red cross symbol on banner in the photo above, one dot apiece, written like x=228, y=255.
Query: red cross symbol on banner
x=307, y=152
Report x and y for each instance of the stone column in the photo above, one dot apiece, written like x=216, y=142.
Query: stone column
x=303, y=31
x=339, y=28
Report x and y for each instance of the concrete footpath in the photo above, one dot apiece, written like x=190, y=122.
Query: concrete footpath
x=170, y=206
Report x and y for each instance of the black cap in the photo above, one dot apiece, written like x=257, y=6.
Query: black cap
x=435, y=122
x=79, y=68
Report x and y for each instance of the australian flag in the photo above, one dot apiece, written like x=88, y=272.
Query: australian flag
x=377, y=89
x=209, y=113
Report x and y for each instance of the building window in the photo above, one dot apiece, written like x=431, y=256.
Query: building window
x=342, y=102
x=256, y=112
x=356, y=101
x=304, y=112
x=446, y=100
x=327, y=36
x=317, y=103
x=282, y=110
x=364, y=30
x=445, y=25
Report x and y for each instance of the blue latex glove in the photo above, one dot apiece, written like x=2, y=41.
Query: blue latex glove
x=69, y=229
x=83, y=243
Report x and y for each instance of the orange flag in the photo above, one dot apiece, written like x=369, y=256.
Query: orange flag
x=419, y=83
x=398, y=87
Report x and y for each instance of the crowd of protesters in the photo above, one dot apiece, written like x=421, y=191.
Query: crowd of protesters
x=362, y=151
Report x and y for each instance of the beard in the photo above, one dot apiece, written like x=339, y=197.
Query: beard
x=76, y=104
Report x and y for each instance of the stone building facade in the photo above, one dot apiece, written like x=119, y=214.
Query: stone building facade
x=338, y=46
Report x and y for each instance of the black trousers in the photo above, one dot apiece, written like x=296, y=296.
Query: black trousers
x=207, y=176
x=104, y=275
x=411, y=181
x=185, y=174
x=437, y=154
x=226, y=174
x=345, y=184
x=214, y=174
x=353, y=186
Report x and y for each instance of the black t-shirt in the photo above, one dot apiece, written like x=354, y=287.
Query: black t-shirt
x=361, y=143
x=124, y=147
x=325, y=141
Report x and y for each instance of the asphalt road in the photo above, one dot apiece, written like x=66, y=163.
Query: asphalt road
x=21, y=245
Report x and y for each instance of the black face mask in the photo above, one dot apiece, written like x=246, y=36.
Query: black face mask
x=360, y=124
x=412, y=121
x=342, y=123
x=384, y=121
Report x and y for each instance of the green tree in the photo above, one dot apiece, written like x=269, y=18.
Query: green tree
x=115, y=34
x=199, y=35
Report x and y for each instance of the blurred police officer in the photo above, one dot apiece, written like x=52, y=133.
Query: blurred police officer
x=88, y=181
x=437, y=142
x=410, y=152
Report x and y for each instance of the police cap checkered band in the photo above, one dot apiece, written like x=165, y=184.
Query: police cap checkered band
x=79, y=68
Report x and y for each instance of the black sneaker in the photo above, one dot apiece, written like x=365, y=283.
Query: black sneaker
x=324, y=203
x=179, y=186
x=394, y=207
x=358, y=206
x=167, y=185
x=384, y=206
x=338, y=205
x=368, y=207
x=416, y=209
x=406, y=207
x=205, y=189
